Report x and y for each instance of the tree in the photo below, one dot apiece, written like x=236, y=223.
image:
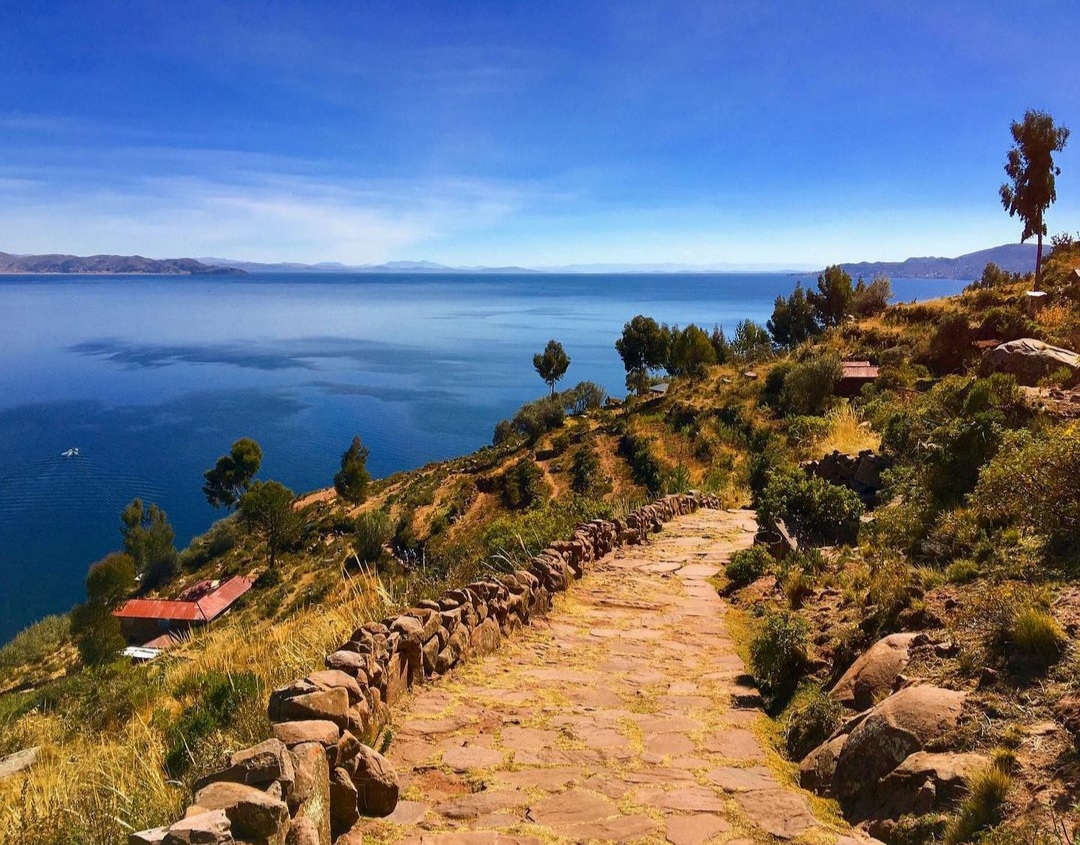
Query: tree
x=832, y=299
x=643, y=346
x=720, y=345
x=96, y=633
x=93, y=627
x=148, y=538
x=232, y=474
x=751, y=341
x=792, y=319
x=111, y=580
x=268, y=508
x=1031, y=188
x=873, y=298
x=552, y=363
x=351, y=482
x=690, y=352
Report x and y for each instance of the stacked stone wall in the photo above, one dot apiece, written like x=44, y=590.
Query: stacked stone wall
x=312, y=781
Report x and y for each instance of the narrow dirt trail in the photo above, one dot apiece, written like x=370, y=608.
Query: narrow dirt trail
x=618, y=718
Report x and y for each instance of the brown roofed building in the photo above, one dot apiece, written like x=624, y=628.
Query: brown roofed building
x=853, y=375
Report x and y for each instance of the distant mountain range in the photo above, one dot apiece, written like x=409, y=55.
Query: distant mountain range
x=111, y=265
x=1016, y=258
x=1019, y=258
x=338, y=267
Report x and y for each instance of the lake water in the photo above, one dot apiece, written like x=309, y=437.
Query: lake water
x=152, y=378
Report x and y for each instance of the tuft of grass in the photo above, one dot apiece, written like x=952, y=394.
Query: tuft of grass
x=1037, y=637
x=811, y=718
x=982, y=808
x=846, y=432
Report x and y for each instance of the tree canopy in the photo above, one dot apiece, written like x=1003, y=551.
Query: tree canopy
x=232, y=474
x=352, y=480
x=832, y=299
x=690, y=352
x=643, y=346
x=268, y=508
x=552, y=363
x=1032, y=188
x=793, y=319
x=149, y=539
x=111, y=580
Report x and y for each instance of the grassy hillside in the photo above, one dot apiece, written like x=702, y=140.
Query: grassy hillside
x=121, y=745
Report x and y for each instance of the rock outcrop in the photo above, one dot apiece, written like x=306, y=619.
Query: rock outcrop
x=872, y=677
x=1030, y=360
x=892, y=731
x=860, y=473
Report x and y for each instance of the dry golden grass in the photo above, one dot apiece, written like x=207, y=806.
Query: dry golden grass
x=94, y=788
x=847, y=433
x=91, y=791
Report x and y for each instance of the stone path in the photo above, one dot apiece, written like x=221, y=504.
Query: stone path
x=618, y=718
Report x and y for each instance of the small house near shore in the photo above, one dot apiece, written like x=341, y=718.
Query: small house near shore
x=853, y=375
x=159, y=623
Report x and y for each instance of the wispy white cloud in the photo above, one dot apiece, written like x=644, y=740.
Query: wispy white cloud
x=243, y=212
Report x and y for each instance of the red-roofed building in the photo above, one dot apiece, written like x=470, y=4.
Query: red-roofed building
x=144, y=620
x=853, y=375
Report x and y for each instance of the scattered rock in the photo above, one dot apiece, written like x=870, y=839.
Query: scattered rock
x=20, y=761
x=923, y=783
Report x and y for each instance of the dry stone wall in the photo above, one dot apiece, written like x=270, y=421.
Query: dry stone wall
x=312, y=781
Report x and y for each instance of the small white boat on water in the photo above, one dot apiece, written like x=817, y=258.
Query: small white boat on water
x=73, y=452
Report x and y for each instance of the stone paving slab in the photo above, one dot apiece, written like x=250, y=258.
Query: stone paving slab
x=621, y=717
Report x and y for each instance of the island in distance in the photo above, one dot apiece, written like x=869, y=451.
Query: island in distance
x=111, y=265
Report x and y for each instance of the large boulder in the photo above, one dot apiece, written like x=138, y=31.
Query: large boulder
x=925, y=782
x=1030, y=360
x=817, y=769
x=895, y=729
x=871, y=677
x=255, y=816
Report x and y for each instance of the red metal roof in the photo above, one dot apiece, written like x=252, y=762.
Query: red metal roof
x=217, y=602
x=205, y=609
x=858, y=369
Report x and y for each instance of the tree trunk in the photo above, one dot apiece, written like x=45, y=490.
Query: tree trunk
x=1038, y=262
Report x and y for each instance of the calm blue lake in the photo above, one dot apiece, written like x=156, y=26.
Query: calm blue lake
x=152, y=378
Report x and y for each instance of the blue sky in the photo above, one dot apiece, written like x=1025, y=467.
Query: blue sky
x=525, y=132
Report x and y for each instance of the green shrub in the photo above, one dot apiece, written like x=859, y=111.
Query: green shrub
x=778, y=653
x=961, y=571
x=644, y=466
x=747, y=565
x=1034, y=481
x=522, y=485
x=221, y=538
x=982, y=808
x=587, y=473
x=811, y=718
x=217, y=697
x=514, y=538
x=816, y=511
x=1036, y=637
x=950, y=346
x=34, y=643
x=373, y=530
x=809, y=385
